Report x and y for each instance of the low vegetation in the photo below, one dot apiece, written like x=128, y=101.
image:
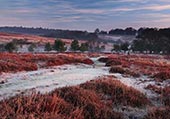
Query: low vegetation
x=135, y=65
x=12, y=62
x=159, y=113
x=91, y=100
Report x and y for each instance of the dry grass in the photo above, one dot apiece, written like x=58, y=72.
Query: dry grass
x=65, y=103
x=162, y=75
x=116, y=91
x=159, y=113
x=154, y=88
x=166, y=95
x=156, y=67
x=125, y=71
x=12, y=62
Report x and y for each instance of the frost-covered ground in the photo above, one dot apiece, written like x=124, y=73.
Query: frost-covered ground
x=46, y=80
x=141, y=83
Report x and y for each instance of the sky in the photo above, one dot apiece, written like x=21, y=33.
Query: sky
x=85, y=14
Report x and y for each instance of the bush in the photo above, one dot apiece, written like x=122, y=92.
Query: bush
x=63, y=103
x=103, y=59
x=113, y=62
x=11, y=62
x=162, y=75
x=159, y=113
x=117, y=91
x=117, y=69
x=166, y=95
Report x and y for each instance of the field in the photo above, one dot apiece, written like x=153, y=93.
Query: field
x=8, y=37
x=84, y=86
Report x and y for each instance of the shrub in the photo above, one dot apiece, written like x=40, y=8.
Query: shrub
x=158, y=113
x=64, y=103
x=162, y=75
x=11, y=62
x=166, y=95
x=89, y=101
x=113, y=62
x=117, y=91
x=103, y=59
x=117, y=69
x=154, y=88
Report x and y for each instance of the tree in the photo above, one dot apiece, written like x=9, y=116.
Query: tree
x=84, y=47
x=31, y=48
x=75, y=45
x=48, y=47
x=11, y=46
x=97, y=31
x=102, y=47
x=116, y=47
x=124, y=46
x=59, y=45
x=138, y=45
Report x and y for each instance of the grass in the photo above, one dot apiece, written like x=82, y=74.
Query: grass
x=119, y=93
x=135, y=65
x=64, y=103
x=13, y=62
x=91, y=100
x=158, y=113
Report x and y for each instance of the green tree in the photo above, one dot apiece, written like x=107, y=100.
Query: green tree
x=59, y=45
x=11, y=46
x=84, y=47
x=75, y=45
x=116, y=47
x=48, y=47
x=31, y=48
x=97, y=31
x=124, y=46
x=139, y=45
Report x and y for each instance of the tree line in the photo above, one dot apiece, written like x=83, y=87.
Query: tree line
x=58, y=45
x=148, y=40
x=153, y=40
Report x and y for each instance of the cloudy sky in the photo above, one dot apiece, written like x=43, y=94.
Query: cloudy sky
x=85, y=14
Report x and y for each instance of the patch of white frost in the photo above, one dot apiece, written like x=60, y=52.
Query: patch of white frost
x=46, y=80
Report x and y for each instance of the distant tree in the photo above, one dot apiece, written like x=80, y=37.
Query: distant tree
x=124, y=46
x=139, y=45
x=102, y=47
x=2, y=47
x=117, y=32
x=153, y=40
x=116, y=47
x=97, y=48
x=97, y=31
x=103, y=32
x=130, y=31
x=11, y=46
x=75, y=45
x=59, y=45
x=84, y=47
x=31, y=48
x=48, y=47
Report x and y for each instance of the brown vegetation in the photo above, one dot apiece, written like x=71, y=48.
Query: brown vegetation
x=119, y=93
x=159, y=113
x=119, y=69
x=154, y=88
x=11, y=62
x=166, y=95
x=91, y=100
x=152, y=66
x=161, y=76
